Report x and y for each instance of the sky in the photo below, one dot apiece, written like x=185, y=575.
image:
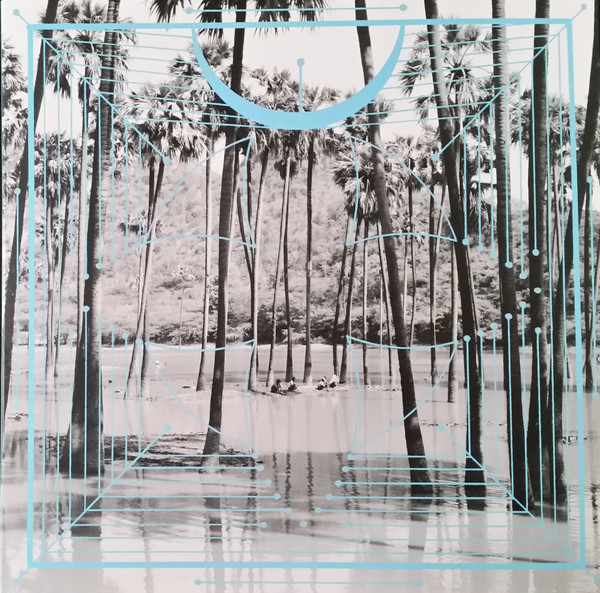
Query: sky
x=331, y=56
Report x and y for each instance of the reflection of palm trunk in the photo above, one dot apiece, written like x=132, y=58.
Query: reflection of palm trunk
x=348, y=318
x=339, y=299
x=270, y=370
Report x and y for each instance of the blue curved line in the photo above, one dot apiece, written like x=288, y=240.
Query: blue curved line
x=303, y=120
x=415, y=234
x=388, y=347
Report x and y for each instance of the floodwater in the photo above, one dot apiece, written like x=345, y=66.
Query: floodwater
x=319, y=502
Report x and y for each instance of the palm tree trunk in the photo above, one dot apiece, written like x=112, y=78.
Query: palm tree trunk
x=270, y=370
x=419, y=475
x=413, y=308
x=474, y=462
x=588, y=299
x=253, y=382
x=508, y=292
x=590, y=338
x=12, y=280
x=309, y=183
x=84, y=450
x=50, y=301
x=201, y=382
x=435, y=249
x=364, y=306
x=584, y=159
x=348, y=317
x=338, y=300
x=386, y=299
x=289, y=367
x=452, y=367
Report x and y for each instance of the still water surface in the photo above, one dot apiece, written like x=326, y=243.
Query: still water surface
x=326, y=487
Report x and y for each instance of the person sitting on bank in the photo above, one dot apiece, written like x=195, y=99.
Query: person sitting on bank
x=333, y=382
x=292, y=385
x=276, y=387
x=322, y=384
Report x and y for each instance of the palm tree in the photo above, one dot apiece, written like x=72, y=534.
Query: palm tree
x=420, y=482
x=508, y=301
x=319, y=142
x=83, y=452
x=584, y=160
x=166, y=125
x=474, y=476
x=15, y=250
x=165, y=9
x=187, y=72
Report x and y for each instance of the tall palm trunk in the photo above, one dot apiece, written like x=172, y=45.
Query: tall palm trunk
x=289, y=366
x=309, y=183
x=364, y=304
x=12, y=280
x=201, y=382
x=474, y=463
x=508, y=291
x=338, y=300
x=284, y=199
x=584, y=159
x=252, y=381
x=386, y=300
x=413, y=271
x=348, y=316
x=82, y=203
x=51, y=250
x=590, y=336
x=419, y=476
x=83, y=452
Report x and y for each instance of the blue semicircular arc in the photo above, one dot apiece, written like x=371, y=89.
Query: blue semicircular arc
x=301, y=120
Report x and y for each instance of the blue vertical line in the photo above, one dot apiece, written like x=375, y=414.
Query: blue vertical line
x=113, y=255
x=140, y=168
x=507, y=184
x=112, y=432
x=466, y=198
x=592, y=268
x=100, y=164
x=535, y=250
x=84, y=173
x=141, y=348
x=509, y=423
x=69, y=434
x=100, y=439
x=46, y=248
x=538, y=331
x=497, y=439
x=126, y=190
x=492, y=250
x=59, y=223
x=482, y=393
x=85, y=405
x=31, y=287
x=467, y=339
x=479, y=180
x=71, y=189
x=521, y=154
x=577, y=302
x=126, y=400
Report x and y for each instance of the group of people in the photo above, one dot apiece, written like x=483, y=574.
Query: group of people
x=277, y=387
x=292, y=387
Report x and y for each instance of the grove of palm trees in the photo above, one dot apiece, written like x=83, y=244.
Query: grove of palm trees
x=277, y=323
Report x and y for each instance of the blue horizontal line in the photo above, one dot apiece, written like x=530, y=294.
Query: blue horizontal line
x=198, y=510
x=165, y=496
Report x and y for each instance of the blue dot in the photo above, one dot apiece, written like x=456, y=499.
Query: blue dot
x=508, y=316
x=99, y=266
x=350, y=456
x=125, y=335
x=166, y=160
x=535, y=252
x=435, y=158
x=590, y=179
x=467, y=339
x=268, y=482
x=494, y=326
x=139, y=341
x=538, y=330
x=303, y=523
x=300, y=62
x=345, y=469
x=403, y=7
x=338, y=482
x=17, y=191
x=522, y=304
x=254, y=455
x=86, y=308
x=318, y=510
x=480, y=333
x=276, y=496
x=86, y=276
x=260, y=468
x=509, y=264
x=583, y=6
x=190, y=10
x=167, y=427
x=537, y=290
x=465, y=241
x=263, y=524
x=522, y=275
x=16, y=12
x=329, y=496
x=197, y=581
